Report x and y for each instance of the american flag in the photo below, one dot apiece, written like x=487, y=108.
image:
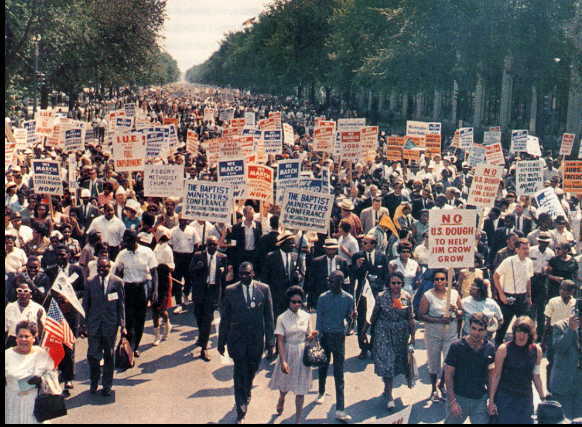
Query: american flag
x=57, y=329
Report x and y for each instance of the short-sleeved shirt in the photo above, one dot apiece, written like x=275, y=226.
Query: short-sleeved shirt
x=136, y=265
x=33, y=312
x=557, y=311
x=515, y=274
x=333, y=311
x=294, y=327
x=471, y=368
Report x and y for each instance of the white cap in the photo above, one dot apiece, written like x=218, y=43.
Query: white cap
x=133, y=205
x=85, y=193
x=120, y=191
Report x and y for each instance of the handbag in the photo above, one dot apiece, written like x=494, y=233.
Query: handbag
x=314, y=355
x=49, y=406
x=124, y=355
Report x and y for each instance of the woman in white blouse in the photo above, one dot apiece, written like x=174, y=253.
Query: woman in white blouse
x=23, y=309
x=290, y=374
x=407, y=266
x=165, y=257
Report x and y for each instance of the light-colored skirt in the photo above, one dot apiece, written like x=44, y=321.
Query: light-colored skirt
x=300, y=377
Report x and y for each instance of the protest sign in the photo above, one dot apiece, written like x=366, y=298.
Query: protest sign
x=123, y=124
x=10, y=154
x=519, y=141
x=350, y=125
x=273, y=140
x=207, y=201
x=529, y=178
x=226, y=115
x=20, y=137
x=209, y=114
x=490, y=137
x=369, y=142
x=213, y=150
x=485, y=186
x=495, y=129
x=414, y=128
x=259, y=183
x=451, y=237
x=250, y=118
x=467, y=138
x=129, y=152
x=476, y=155
x=433, y=138
x=233, y=173
x=130, y=109
x=533, y=146
x=288, y=134
x=44, y=122
x=573, y=176
x=350, y=145
x=567, y=144
x=46, y=177
x=548, y=202
x=73, y=142
x=411, y=151
x=155, y=144
x=229, y=148
x=288, y=172
x=494, y=154
x=172, y=136
x=324, y=139
x=30, y=127
x=163, y=180
x=192, y=142
x=271, y=123
x=307, y=211
x=72, y=169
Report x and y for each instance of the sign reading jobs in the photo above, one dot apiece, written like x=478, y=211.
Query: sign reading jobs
x=452, y=238
x=47, y=178
x=307, y=211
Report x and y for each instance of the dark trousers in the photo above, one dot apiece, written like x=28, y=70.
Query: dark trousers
x=113, y=252
x=334, y=344
x=67, y=365
x=101, y=346
x=182, y=262
x=135, y=312
x=245, y=370
x=204, y=314
x=519, y=308
x=362, y=309
x=540, y=300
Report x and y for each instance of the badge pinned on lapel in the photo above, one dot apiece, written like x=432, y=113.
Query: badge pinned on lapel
x=253, y=305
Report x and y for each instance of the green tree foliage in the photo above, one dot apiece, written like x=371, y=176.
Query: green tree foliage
x=407, y=45
x=97, y=43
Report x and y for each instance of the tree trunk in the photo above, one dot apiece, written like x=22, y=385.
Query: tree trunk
x=533, y=112
x=479, y=102
x=455, y=103
x=405, y=106
x=506, y=92
x=437, y=105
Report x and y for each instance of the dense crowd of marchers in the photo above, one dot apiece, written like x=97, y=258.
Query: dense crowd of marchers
x=90, y=260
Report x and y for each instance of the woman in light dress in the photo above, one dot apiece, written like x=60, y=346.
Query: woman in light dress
x=290, y=374
x=24, y=366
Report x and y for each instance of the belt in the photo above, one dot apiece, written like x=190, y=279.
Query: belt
x=135, y=283
x=516, y=295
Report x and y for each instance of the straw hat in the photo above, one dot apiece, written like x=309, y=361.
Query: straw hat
x=331, y=244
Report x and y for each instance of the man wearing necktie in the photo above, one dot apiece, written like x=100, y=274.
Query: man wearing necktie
x=371, y=216
x=320, y=270
x=282, y=269
x=246, y=325
x=104, y=313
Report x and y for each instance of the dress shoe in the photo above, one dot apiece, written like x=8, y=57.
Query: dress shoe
x=106, y=392
x=136, y=354
x=69, y=385
x=363, y=355
x=204, y=356
x=240, y=421
x=66, y=393
x=342, y=416
x=93, y=389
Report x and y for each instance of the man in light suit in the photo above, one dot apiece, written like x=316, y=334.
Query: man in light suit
x=370, y=217
x=207, y=272
x=104, y=313
x=282, y=269
x=246, y=325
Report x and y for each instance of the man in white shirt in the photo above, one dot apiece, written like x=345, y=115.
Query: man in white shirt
x=137, y=265
x=513, y=282
x=110, y=228
x=205, y=230
x=14, y=258
x=183, y=239
x=348, y=245
x=541, y=255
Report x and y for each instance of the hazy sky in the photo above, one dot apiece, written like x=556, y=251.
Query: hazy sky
x=194, y=28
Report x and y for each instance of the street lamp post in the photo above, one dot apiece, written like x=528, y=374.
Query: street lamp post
x=36, y=40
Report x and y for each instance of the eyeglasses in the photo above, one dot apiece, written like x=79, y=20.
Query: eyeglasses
x=439, y=279
x=405, y=251
x=296, y=301
x=23, y=291
x=397, y=283
x=473, y=328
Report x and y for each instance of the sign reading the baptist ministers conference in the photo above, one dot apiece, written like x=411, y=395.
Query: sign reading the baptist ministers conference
x=307, y=211
x=46, y=177
x=207, y=201
x=451, y=237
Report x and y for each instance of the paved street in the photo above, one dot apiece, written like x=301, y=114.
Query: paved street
x=169, y=386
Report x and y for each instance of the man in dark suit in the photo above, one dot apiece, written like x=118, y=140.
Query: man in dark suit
x=422, y=203
x=320, y=270
x=372, y=265
x=523, y=223
x=267, y=243
x=283, y=268
x=490, y=225
x=86, y=212
x=104, y=313
x=208, y=273
x=245, y=249
x=93, y=184
x=246, y=324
